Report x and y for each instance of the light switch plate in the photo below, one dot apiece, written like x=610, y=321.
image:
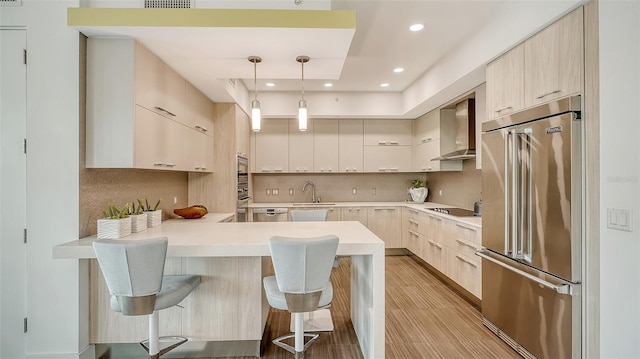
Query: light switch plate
x=620, y=219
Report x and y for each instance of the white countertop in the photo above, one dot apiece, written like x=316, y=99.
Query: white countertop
x=473, y=221
x=205, y=237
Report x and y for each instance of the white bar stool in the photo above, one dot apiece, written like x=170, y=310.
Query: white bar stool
x=301, y=284
x=133, y=270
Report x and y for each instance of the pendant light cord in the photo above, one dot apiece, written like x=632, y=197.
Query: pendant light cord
x=303, y=79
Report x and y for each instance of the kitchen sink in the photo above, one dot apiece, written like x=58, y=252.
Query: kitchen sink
x=314, y=204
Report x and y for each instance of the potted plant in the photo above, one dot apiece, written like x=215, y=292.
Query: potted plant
x=138, y=217
x=154, y=215
x=115, y=223
x=418, y=191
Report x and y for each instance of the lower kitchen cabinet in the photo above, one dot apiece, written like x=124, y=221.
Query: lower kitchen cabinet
x=447, y=245
x=385, y=222
x=355, y=214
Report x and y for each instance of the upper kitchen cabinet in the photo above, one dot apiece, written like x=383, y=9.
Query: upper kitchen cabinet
x=506, y=83
x=300, y=147
x=350, y=145
x=272, y=146
x=388, y=132
x=553, y=59
x=157, y=87
x=435, y=135
x=325, y=145
x=136, y=112
x=388, y=145
x=199, y=111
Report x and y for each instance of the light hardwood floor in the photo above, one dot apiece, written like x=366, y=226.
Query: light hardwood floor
x=425, y=318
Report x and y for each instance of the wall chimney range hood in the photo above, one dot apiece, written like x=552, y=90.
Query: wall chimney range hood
x=465, y=133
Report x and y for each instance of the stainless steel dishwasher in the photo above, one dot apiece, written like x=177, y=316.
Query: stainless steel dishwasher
x=270, y=214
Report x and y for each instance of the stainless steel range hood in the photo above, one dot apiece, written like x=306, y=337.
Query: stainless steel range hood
x=465, y=133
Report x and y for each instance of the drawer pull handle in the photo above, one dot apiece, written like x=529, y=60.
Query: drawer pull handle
x=413, y=233
x=383, y=209
x=467, y=245
x=160, y=164
x=466, y=261
x=435, y=244
x=354, y=209
x=413, y=222
x=165, y=111
x=200, y=128
x=504, y=108
x=547, y=94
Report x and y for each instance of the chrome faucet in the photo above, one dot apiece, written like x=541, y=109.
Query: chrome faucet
x=313, y=190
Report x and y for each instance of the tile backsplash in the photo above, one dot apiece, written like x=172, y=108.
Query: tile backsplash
x=460, y=188
x=336, y=187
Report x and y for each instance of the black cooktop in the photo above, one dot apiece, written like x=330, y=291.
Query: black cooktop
x=457, y=212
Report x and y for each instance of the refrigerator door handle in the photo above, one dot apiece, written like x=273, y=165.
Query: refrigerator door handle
x=515, y=197
x=508, y=249
x=562, y=288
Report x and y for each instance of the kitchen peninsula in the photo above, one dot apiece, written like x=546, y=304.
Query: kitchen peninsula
x=232, y=258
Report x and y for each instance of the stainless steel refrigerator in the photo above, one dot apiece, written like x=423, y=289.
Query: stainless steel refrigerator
x=531, y=229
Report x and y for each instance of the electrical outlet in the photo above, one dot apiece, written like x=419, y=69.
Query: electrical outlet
x=354, y=191
x=175, y=200
x=373, y=191
x=440, y=192
x=290, y=191
x=268, y=191
x=275, y=191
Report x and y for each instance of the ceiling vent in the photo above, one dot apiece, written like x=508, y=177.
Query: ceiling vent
x=166, y=4
x=8, y=3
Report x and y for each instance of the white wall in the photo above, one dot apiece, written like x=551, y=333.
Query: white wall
x=53, y=286
x=620, y=177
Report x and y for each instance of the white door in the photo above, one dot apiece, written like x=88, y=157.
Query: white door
x=13, y=179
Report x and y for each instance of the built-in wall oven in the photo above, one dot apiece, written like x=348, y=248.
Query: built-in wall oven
x=242, y=185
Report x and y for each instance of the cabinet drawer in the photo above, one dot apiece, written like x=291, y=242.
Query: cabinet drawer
x=437, y=255
x=355, y=214
x=468, y=274
x=467, y=233
x=466, y=248
x=415, y=243
x=388, y=132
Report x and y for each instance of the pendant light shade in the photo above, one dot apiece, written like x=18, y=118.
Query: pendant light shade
x=302, y=104
x=255, y=104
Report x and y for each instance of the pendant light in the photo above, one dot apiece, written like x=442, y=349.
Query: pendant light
x=255, y=104
x=302, y=104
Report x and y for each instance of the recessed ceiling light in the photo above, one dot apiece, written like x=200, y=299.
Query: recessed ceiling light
x=328, y=84
x=270, y=84
x=384, y=84
x=416, y=27
x=398, y=70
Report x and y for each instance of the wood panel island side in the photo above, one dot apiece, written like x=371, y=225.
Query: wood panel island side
x=229, y=307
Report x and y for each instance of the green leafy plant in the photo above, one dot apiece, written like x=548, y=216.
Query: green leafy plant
x=146, y=207
x=112, y=212
x=417, y=183
x=133, y=210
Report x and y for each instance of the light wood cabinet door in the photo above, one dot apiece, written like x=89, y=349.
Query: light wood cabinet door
x=199, y=111
x=325, y=146
x=333, y=213
x=355, y=214
x=425, y=152
x=467, y=272
x=243, y=134
x=350, y=145
x=385, y=222
x=159, y=142
x=427, y=128
x=553, y=59
x=388, y=158
x=301, y=147
x=272, y=146
x=388, y=132
x=506, y=83
x=157, y=87
x=199, y=153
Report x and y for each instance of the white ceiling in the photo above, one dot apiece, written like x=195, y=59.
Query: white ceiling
x=357, y=62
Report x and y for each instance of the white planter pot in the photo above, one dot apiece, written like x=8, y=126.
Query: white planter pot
x=419, y=194
x=154, y=218
x=114, y=228
x=138, y=222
